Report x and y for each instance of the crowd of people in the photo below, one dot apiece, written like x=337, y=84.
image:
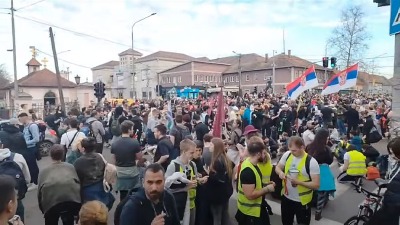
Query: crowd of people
x=168, y=166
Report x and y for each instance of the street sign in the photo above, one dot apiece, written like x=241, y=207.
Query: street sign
x=394, y=17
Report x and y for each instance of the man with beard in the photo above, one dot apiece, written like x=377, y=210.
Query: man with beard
x=252, y=207
x=151, y=205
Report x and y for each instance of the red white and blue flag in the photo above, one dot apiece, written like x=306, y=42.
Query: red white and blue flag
x=305, y=82
x=342, y=80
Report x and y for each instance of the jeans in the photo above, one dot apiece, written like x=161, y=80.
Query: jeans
x=220, y=214
x=291, y=208
x=341, y=127
x=66, y=210
x=30, y=158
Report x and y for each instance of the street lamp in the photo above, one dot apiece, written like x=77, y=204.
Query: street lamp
x=138, y=22
x=77, y=79
x=239, y=72
x=133, y=63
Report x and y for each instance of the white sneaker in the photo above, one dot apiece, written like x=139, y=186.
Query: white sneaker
x=32, y=187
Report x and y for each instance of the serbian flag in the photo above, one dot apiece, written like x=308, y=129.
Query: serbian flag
x=305, y=82
x=219, y=117
x=342, y=80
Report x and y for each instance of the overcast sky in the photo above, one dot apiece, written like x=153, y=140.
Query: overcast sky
x=210, y=28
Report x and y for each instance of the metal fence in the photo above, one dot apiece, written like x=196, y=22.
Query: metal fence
x=41, y=110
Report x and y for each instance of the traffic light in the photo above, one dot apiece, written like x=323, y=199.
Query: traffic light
x=333, y=62
x=325, y=62
x=382, y=2
x=99, y=90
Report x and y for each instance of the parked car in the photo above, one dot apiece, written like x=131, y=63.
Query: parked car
x=50, y=138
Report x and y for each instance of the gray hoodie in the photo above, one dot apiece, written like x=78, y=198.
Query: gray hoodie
x=171, y=170
x=98, y=129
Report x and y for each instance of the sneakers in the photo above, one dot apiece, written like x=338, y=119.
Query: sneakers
x=32, y=187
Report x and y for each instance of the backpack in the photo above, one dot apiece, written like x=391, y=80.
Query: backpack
x=115, y=126
x=9, y=167
x=121, y=204
x=87, y=129
x=373, y=173
x=181, y=135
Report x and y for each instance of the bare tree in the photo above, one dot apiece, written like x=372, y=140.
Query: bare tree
x=349, y=39
x=4, y=76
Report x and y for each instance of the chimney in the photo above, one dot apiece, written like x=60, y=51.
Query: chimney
x=289, y=52
x=266, y=57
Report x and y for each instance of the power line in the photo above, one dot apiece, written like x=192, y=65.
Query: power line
x=32, y=4
x=77, y=32
x=72, y=63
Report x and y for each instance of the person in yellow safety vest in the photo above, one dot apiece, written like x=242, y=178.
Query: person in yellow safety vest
x=354, y=165
x=182, y=179
x=266, y=169
x=300, y=175
x=340, y=149
x=251, y=192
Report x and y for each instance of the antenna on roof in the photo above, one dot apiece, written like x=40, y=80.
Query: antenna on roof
x=284, y=48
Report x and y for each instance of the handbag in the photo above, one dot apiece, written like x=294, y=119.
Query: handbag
x=110, y=174
x=374, y=136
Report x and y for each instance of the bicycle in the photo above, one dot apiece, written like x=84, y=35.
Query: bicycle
x=370, y=205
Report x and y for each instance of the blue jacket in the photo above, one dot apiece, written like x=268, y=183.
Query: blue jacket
x=138, y=210
x=31, y=135
x=247, y=115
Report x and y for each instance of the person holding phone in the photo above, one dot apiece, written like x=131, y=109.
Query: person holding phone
x=152, y=204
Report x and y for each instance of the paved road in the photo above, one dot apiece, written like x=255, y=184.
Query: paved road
x=336, y=212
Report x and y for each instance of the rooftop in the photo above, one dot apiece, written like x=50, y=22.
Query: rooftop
x=130, y=52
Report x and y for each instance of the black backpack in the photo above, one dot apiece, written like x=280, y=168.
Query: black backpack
x=9, y=167
x=121, y=204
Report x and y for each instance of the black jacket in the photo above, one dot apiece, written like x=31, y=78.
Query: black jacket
x=219, y=185
x=352, y=116
x=392, y=194
x=13, y=139
x=140, y=211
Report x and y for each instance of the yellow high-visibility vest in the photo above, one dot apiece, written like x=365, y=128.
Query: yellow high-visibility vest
x=305, y=194
x=192, y=191
x=357, y=166
x=246, y=206
x=266, y=170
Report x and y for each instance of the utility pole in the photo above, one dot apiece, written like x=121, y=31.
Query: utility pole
x=60, y=91
x=14, y=53
x=273, y=70
x=396, y=75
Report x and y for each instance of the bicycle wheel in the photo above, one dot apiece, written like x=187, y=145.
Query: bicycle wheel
x=367, y=212
x=355, y=220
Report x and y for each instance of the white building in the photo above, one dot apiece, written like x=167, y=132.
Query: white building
x=121, y=82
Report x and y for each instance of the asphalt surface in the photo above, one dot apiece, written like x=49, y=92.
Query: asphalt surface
x=336, y=212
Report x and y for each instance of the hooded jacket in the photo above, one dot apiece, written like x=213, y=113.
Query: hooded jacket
x=13, y=139
x=139, y=210
x=20, y=160
x=97, y=128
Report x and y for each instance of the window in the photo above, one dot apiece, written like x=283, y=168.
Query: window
x=179, y=79
x=237, y=78
x=201, y=78
x=232, y=78
x=131, y=58
x=120, y=95
x=196, y=78
x=247, y=77
x=150, y=94
x=206, y=78
x=255, y=76
x=266, y=76
x=144, y=94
